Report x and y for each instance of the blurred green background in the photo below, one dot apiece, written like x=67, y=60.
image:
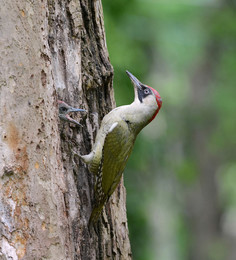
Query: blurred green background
x=181, y=177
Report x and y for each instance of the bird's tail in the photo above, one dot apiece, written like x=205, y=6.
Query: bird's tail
x=97, y=210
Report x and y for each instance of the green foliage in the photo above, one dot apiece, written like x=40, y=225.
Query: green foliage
x=187, y=172
x=228, y=179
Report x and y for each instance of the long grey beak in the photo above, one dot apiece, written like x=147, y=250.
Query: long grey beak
x=72, y=109
x=135, y=81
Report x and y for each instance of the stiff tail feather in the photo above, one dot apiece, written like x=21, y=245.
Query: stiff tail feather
x=97, y=210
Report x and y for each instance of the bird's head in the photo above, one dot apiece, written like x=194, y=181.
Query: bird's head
x=146, y=96
x=65, y=109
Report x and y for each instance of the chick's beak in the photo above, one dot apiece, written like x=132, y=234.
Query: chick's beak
x=72, y=109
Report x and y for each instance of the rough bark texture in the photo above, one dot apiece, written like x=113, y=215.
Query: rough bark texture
x=49, y=50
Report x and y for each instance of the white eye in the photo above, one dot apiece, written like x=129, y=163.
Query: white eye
x=146, y=91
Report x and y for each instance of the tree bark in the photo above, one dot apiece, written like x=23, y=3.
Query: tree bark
x=54, y=50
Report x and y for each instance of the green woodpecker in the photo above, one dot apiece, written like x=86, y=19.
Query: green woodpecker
x=115, y=140
x=65, y=109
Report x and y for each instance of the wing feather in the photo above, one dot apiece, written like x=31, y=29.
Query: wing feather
x=117, y=148
x=118, y=145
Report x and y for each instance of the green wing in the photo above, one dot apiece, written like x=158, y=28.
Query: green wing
x=117, y=148
x=118, y=145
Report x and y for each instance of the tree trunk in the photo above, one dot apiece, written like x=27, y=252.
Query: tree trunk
x=54, y=50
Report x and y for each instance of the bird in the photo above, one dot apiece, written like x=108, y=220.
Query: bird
x=65, y=109
x=115, y=140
